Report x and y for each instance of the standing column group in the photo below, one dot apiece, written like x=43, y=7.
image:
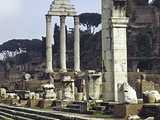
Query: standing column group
x=49, y=38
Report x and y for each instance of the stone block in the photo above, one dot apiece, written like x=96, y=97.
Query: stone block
x=32, y=103
x=147, y=86
x=125, y=110
x=58, y=105
x=10, y=101
x=45, y=103
x=79, y=96
x=108, y=94
x=78, y=107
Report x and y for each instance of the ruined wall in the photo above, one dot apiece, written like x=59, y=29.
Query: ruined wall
x=144, y=25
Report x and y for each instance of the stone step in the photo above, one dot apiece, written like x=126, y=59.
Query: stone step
x=56, y=115
x=78, y=107
x=34, y=116
x=22, y=118
x=57, y=108
x=13, y=114
x=5, y=118
x=73, y=106
x=79, y=102
x=100, y=108
x=8, y=116
x=25, y=113
x=71, y=110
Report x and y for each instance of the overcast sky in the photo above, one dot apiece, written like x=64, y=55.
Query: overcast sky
x=26, y=18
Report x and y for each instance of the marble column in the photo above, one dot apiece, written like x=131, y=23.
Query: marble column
x=76, y=45
x=49, y=38
x=114, y=48
x=107, y=58
x=62, y=44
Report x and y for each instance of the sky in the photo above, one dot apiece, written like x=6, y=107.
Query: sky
x=25, y=19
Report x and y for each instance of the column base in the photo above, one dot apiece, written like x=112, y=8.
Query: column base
x=49, y=71
x=77, y=70
x=63, y=70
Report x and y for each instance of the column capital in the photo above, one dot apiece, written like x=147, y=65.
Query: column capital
x=62, y=18
x=48, y=18
x=76, y=20
x=120, y=22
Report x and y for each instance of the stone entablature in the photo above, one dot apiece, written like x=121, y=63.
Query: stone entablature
x=62, y=8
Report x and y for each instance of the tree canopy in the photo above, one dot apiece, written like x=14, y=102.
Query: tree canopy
x=18, y=44
x=156, y=3
x=90, y=21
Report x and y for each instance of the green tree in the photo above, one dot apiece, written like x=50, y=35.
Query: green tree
x=144, y=44
x=156, y=3
x=90, y=21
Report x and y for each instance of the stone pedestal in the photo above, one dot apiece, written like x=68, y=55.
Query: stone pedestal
x=62, y=44
x=119, y=53
x=3, y=93
x=68, y=89
x=82, y=89
x=76, y=45
x=49, y=91
x=94, y=86
x=49, y=38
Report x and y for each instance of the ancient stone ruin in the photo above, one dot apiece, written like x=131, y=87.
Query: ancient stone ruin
x=90, y=92
x=62, y=9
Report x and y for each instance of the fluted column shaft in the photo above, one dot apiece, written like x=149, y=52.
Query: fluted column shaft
x=76, y=44
x=62, y=44
x=49, y=38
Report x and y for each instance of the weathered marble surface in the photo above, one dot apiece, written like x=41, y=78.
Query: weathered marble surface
x=49, y=40
x=49, y=91
x=68, y=92
x=114, y=47
x=62, y=44
x=94, y=86
x=62, y=8
x=76, y=44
